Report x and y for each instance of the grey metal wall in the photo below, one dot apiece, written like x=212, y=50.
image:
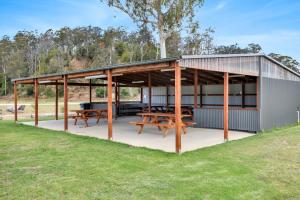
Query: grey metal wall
x=159, y=94
x=279, y=102
x=246, y=120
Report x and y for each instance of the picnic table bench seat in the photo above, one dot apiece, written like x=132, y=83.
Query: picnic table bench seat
x=163, y=121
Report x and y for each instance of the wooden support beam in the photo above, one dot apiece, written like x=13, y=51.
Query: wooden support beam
x=109, y=104
x=36, y=102
x=142, y=94
x=90, y=90
x=116, y=97
x=226, y=100
x=85, y=74
x=56, y=102
x=167, y=96
x=141, y=68
x=16, y=100
x=195, y=88
x=257, y=93
x=201, y=96
x=178, y=107
x=66, y=102
x=243, y=92
x=149, y=92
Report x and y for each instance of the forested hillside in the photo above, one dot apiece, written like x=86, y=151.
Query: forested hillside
x=31, y=53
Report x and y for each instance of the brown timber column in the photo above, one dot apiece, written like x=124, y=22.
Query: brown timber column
x=243, y=92
x=90, y=90
x=149, y=92
x=142, y=95
x=178, y=106
x=56, y=100
x=226, y=89
x=109, y=103
x=201, y=95
x=167, y=97
x=195, y=88
x=116, y=97
x=36, y=102
x=66, y=102
x=16, y=100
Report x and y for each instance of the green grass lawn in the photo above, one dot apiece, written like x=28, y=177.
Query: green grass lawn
x=42, y=164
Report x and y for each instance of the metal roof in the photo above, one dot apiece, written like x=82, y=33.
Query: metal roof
x=101, y=68
x=241, y=55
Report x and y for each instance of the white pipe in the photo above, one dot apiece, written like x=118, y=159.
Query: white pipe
x=298, y=116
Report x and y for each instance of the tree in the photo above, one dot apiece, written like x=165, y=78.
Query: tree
x=165, y=17
x=5, y=53
x=287, y=61
x=235, y=49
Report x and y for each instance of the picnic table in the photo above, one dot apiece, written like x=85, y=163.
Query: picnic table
x=85, y=115
x=163, y=121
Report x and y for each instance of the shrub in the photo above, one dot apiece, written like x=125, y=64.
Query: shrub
x=100, y=92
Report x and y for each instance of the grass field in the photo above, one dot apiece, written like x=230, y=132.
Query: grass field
x=42, y=164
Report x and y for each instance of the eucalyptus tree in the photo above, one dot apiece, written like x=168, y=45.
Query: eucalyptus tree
x=287, y=61
x=164, y=16
x=5, y=56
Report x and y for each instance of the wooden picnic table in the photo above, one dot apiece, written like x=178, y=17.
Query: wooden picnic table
x=163, y=121
x=85, y=115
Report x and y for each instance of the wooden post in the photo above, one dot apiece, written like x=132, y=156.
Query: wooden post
x=201, y=95
x=243, y=93
x=226, y=89
x=109, y=103
x=257, y=93
x=149, y=92
x=90, y=91
x=167, y=97
x=178, y=106
x=195, y=88
x=116, y=97
x=66, y=102
x=36, y=102
x=56, y=101
x=16, y=100
x=142, y=94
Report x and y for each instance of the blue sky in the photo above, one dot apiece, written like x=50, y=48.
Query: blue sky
x=274, y=24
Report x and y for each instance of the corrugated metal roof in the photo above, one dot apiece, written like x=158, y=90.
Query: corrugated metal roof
x=101, y=68
x=240, y=55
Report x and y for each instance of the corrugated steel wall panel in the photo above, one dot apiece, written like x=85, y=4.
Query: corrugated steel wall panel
x=239, y=65
x=246, y=120
x=279, y=102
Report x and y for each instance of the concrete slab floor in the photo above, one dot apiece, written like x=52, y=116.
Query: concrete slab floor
x=150, y=138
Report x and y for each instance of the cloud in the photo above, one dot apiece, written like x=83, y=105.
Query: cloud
x=221, y=5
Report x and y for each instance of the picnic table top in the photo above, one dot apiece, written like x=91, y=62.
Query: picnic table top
x=161, y=114
x=89, y=110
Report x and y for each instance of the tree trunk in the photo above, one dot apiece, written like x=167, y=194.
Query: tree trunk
x=162, y=44
x=5, y=85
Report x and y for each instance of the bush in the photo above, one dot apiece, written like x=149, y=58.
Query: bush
x=29, y=90
x=100, y=92
x=124, y=92
x=49, y=92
